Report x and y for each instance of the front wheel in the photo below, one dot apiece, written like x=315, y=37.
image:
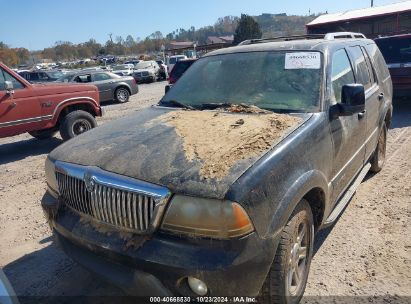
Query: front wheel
x=287, y=277
x=378, y=159
x=76, y=123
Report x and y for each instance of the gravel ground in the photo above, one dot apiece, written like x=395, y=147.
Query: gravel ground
x=364, y=256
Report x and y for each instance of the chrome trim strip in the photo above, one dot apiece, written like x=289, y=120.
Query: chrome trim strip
x=23, y=121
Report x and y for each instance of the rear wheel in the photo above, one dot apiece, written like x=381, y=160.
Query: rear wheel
x=287, y=278
x=122, y=95
x=378, y=159
x=76, y=123
x=43, y=134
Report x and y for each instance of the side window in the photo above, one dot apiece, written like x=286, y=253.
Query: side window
x=369, y=65
x=101, y=77
x=361, y=69
x=83, y=78
x=43, y=76
x=341, y=73
x=16, y=84
x=2, y=80
x=378, y=60
x=33, y=76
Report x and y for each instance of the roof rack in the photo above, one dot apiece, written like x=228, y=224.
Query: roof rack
x=328, y=36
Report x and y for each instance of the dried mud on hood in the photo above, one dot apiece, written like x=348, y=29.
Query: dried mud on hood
x=221, y=139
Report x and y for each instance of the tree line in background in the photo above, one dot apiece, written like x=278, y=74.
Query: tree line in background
x=246, y=27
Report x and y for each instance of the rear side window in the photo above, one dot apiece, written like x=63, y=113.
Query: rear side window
x=33, y=76
x=360, y=66
x=101, y=77
x=83, y=78
x=378, y=61
x=341, y=74
x=395, y=49
x=181, y=67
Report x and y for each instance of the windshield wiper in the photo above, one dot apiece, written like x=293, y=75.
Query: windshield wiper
x=175, y=103
x=212, y=106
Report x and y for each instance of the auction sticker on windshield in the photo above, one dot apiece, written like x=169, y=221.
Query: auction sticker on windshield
x=302, y=60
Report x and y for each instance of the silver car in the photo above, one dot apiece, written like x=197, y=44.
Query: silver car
x=110, y=86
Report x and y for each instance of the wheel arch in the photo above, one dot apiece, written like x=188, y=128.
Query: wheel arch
x=80, y=105
x=311, y=186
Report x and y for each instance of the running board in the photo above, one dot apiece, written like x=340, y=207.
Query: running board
x=348, y=195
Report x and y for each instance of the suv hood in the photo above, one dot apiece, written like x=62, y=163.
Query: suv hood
x=141, y=147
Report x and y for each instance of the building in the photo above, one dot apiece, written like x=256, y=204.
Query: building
x=377, y=21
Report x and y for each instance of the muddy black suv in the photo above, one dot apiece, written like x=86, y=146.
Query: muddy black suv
x=220, y=189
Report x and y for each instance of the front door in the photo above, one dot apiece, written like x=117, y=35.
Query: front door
x=19, y=112
x=348, y=132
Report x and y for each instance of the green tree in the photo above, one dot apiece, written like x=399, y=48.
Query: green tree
x=247, y=28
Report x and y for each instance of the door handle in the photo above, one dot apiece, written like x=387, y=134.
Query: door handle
x=380, y=96
x=361, y=114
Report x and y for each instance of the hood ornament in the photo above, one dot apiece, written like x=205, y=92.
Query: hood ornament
x=90, y=181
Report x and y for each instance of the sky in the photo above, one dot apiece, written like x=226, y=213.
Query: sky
x=36, y=24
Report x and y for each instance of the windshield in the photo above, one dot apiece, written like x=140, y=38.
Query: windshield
x=263, y=79
x=396, y=49
x=143, y=65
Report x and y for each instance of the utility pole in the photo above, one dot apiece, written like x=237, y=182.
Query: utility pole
x=372, y=3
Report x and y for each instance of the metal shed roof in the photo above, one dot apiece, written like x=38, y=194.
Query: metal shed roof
x=362, y=13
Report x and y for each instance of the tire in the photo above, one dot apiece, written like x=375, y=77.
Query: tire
x=76, y=123
x=277, y=288
x=378, y=159
x=43, y=134
x=121, y=95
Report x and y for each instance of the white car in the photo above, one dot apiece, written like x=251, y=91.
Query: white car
x=171, y=61
x=146, y=71
x=123, y=69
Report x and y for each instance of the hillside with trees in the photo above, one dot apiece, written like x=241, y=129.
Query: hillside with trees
x=270, y=24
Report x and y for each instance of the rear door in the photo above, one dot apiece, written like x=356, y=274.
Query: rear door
x=348, y=132
x=104, y=83
x=19, y=112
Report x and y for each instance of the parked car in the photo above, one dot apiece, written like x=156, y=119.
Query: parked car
x=397, y=54
x=123, y=69
x=43, y=109
x=41, y=76
x=163, y=69
x=110, y=86
x=146, y=71
x=220, y=190
x=7, y=294
x=179, y=68
x=171, y=61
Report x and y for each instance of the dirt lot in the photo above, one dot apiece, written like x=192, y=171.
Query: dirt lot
x=366, y=253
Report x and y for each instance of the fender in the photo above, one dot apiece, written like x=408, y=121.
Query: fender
x=73, y=101
x=306, y=182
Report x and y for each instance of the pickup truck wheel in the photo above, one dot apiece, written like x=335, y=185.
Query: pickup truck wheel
x=287, y=277
x=378, y=159
x=43, y=134
x=122, y=95
x=76, y=123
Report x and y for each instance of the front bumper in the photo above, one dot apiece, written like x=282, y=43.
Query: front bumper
x=141, y=79
x=159, y=264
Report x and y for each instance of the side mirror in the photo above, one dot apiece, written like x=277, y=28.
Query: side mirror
x=352, y=101
x=9, y=87
x=167, y=88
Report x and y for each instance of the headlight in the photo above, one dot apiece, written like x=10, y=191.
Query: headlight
x=51, y=177
x=206, y=218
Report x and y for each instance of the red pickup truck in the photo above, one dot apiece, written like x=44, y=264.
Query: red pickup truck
x=43, y=109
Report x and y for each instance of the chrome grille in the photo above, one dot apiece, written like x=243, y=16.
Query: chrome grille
x=126, y=209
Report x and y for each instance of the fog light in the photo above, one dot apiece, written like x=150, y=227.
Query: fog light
x=198, y=286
